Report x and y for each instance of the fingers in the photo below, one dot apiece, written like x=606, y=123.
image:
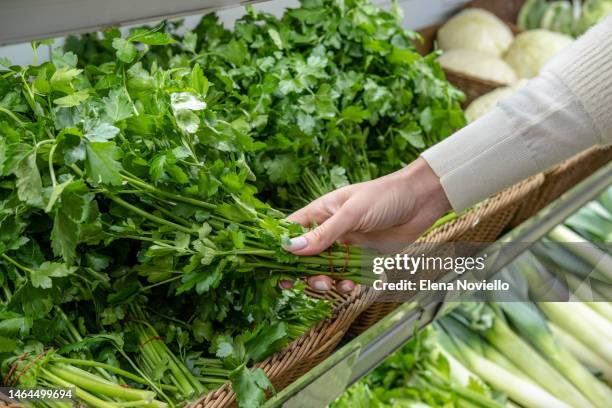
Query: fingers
x=345, y=286
x=314, y=212
x=322, y=208
x=322, y=237
x=320, y=283
x=285, y=284
x=324, y=283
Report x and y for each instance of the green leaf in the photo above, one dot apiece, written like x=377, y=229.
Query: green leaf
x=190, y=41
x=117, y=105
x=41, y=276
x=186, y=101
x=74, y=99
x=276, y=39
x=61, y=80
x=338, y=177
x=151, y=36
x=283, y=169
x=11, y=326
x=29, y=183
x=101, y=164
x=102, y=133
x=355, y=114
x=126, y=51
x=57, y=192
x=64, y=236
x=250, y=386
x=224, y=350
x=413, y=134
x=187, y=120
x=265, y=343
x=198, y=81
x=7, y=345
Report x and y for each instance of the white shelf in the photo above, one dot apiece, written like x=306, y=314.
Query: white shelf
x=27, y=20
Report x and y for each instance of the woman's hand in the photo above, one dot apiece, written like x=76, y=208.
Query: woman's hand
x=393, y=210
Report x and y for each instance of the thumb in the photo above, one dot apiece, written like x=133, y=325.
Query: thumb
x=323, y=236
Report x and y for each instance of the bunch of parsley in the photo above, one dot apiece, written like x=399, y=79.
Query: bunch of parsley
x=128, y=192
x=334, y=90
x=126, y=211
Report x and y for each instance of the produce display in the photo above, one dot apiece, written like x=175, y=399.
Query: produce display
x=571, y=17
x=139, y=262
x=532, y=49
x=543, y=354
x=478, y=64
x=145, y=179
x=475, y=29
x=478, y=44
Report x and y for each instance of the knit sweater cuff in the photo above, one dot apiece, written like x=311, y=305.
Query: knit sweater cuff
x=480, y=160
x=539, y=126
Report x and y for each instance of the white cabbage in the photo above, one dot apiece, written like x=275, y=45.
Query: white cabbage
x=532, y=49
x=477, y=30
x=478, y=64
x=485, y=103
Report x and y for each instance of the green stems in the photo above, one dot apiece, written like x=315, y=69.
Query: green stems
x=108, y=367
x=198, y=203
x=148, y=216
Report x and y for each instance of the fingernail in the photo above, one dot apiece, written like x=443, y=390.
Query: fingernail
x=321, y=285
x=346, y=287
x=295, y=244
x=286, y=284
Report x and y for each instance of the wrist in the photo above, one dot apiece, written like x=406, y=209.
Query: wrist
x=425, y=186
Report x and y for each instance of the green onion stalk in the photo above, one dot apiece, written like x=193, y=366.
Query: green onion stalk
x=584, y=324
x=531, y=325
x=516, y=349
x=52, y=370
x=587, y=251
x=583, y=353
x=469, y=348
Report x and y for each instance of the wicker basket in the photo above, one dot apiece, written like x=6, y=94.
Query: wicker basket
x=507, y=10
x=561, y=178
x=302, y=355
x=484, y=223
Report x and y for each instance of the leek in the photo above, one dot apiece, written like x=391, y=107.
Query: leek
x=466, y=346
x=501, y=336
x=532, y=326
x=586, y=325
x=582, y=352
x=587, y=251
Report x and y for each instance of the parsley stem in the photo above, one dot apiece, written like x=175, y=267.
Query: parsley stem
x=17, y=264
x=90, y=363
x=173, y=196
x=90, y=399
x=172, y=279
x=51, y=170
x=167, y=213
x=147, y=215
x=12, y=116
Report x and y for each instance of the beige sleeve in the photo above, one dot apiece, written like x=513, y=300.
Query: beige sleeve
x=563, y=111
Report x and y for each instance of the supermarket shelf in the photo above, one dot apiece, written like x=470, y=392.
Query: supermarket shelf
x=328, y=380
x=27, y=20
